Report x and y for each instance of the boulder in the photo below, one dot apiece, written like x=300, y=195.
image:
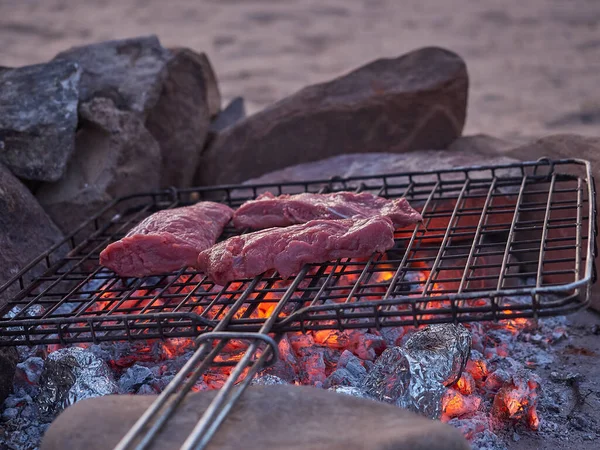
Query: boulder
x=26, y=231
x=8, y=366
x=130, y=72
x=180, y=119
x=115, y=156
x=374, y=164
x=209, y=79
x=416, y=101
x=261, y=419
x=38, y=118
x=234, y=112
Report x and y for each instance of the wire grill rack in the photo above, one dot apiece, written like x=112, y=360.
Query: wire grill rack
x=490, y=235
x=496, y=243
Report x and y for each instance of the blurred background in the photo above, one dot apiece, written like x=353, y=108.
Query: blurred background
x=534, y=64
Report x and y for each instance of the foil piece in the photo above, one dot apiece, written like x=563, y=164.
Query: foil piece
x=70, y=375
x=442, y=349
x=349, y=390
x=266, y=380
x=415, y=375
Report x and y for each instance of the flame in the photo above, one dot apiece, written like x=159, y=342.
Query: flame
x=478, y=369
x=465, y=384
x=455, y=404
x=517, y=401
x=310, y=358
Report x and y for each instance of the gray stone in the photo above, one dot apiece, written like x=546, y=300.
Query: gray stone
x=234, y=112
x=209, y=80
x=115, y=156
x=373, y=164
x=260, y=420
x=8, y=366
x=416, y=101
x=26, y=231
x=180, y=119
x=130, y=72
x=38, y=119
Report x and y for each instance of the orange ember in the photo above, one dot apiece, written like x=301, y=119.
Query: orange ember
x=455, y=404
x=477, y=368
x=465, y=384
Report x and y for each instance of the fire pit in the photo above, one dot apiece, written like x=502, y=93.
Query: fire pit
x=500, y=247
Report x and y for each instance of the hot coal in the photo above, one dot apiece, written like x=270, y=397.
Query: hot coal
x=70, y=375
x=341, y=361
x=349, y=372
x=134, y=378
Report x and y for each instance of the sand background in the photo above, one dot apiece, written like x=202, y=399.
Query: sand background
x=534, y=64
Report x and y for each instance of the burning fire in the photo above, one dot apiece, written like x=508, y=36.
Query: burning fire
x=312, y=357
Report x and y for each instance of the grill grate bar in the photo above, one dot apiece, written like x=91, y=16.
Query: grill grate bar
x=482, y=231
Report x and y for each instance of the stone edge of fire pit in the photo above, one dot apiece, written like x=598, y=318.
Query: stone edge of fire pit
x=260, y=419
x=417, y=100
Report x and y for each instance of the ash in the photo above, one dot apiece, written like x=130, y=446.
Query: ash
x=460, y=374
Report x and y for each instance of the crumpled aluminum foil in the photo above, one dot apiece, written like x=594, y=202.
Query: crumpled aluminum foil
x=350, y=390
x=442, y=348
x=266, y=380
x=415, y=375
x=70, y=375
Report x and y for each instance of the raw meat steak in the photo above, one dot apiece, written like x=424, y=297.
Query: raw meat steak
x=270, y=211
x=167, y=240
x=288, y=249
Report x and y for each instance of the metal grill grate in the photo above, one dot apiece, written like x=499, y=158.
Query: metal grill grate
x=489, y=234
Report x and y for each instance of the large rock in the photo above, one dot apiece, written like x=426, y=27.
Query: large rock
x=26, y=231
x=130, y=72
x=38, y=118
x=8, y=366
x=233, y=113
x=115, y=156
x=180, y=119
x=416, y=101
x=262, y=419
x=209, y=79
x=375, y=164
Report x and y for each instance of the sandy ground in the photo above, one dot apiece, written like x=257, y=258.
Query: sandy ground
x=534, y=64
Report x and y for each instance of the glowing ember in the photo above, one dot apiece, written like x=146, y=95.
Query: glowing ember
x=455, y=404
x=337, y=360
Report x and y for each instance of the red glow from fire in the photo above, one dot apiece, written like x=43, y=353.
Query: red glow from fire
x=455, y=404
x=313, y=356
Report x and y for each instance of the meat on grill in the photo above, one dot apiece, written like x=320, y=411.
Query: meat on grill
x=271, y=211
x=288, y=249
x=167, y=240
